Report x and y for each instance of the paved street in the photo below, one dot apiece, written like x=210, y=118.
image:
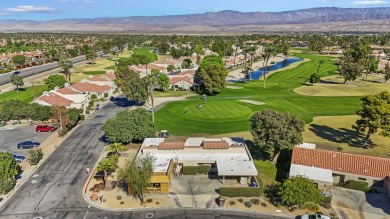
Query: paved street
x=62, y=176
x=11, y=137
x=60, y=179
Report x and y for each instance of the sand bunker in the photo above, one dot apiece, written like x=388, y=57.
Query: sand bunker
x=234, y=87
x=254, y=102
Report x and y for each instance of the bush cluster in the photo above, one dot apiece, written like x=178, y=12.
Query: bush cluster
x=193, y=170
x=6, y=185
x=357, y=185
x=34, y=156
x=325, y=202
x=248, y=204
x=241, y=192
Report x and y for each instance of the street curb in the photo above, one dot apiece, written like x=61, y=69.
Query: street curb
x=17, y=186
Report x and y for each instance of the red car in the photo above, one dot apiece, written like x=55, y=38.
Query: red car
x=45, y=128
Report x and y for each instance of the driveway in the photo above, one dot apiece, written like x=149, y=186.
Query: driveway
x=198, y=191
x=351, y=204
x=9, y=138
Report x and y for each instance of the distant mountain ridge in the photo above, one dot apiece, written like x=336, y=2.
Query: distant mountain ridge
x=359, y=19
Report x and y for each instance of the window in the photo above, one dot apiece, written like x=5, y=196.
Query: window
x=361, y=179
x=156, y=185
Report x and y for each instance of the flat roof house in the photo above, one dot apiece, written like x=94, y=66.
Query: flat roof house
x=229, y=158
x=330, y=167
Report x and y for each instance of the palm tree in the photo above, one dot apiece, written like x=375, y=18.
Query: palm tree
x=268, y=52
x=116, y=147
x=319, y=65
x=137, y=175
x=151, y=80
x=106, y=165
x=66, y=64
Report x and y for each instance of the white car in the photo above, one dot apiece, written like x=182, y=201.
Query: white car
x=313, y=216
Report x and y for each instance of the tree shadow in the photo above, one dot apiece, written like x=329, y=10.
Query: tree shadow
x=283, y=165
x=123, y=102
x=257, y=152
x=342, y=135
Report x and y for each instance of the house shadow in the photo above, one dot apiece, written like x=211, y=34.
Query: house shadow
x=257, y=152
x=342, y=135
x=380, y=201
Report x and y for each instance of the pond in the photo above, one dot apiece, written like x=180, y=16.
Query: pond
x=286, y=62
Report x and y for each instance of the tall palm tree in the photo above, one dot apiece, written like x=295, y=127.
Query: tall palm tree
x=319, y=65
x=268, y=52
x=106, y=165
x=151, y=80
x=67, y=65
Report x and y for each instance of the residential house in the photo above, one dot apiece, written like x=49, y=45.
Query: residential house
x=86, y=87
x=326, y=168
x=80, y=100
x=105, y=79
x=53, y=99
x=228, y=158
x=182, y=82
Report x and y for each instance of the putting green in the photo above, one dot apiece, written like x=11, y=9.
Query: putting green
x=217, y=111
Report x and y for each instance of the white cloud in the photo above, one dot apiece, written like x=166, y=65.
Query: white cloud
x=370, y=2
x=29, y=8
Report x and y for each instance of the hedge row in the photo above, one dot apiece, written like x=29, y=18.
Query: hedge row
x=193, y=170
x=357, y=185
x=240, y=192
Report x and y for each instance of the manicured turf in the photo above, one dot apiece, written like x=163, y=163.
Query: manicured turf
x=147, y=52
x=26, y=95
x=94, y=72
x=278, y=95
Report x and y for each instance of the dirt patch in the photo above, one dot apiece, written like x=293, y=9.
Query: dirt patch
x=234, y=87
x=254, y=102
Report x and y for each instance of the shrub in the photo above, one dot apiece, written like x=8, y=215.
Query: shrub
x=263, y=204
x=157, y=203
x=248, y=204
x=93, y=96
x=241, y=192
x=232, y=203
x=34, y=156
x=149, y=200
x=240, y=200
x=339, y=148
x=6, y=185
x=105, y=95
x=255, y=201
x=97, y=187
x=119, y=197
x=122, y=202
x=193, y=170
x=325, y=202
x=357, y=185
x=82, y=117
x=312, y=207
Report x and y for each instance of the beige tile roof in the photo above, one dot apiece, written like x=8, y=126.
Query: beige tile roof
x=88, y=87
x=55, y=100
x=66, y=90
x=215, y=145
x=342, y=162
x=174, y=80
x=171, y=145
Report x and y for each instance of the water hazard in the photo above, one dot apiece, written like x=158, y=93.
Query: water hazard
x=286, y=62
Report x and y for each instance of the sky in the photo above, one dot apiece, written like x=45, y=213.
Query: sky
x=64, y=9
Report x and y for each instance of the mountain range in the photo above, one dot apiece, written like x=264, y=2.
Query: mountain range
x=306, y=20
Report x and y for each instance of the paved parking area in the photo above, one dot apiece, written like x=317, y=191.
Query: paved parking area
x=351, y=204
x=10, y=137
x=194, y=191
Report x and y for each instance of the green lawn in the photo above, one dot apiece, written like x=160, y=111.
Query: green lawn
x=224, y=113
x=26, y=95
x=147, y=52
x=94, y=72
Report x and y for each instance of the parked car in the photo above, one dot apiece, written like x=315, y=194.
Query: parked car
x=19, y=158
x=45, y=128
x=313, y=216
x=28, y=144
x=16, y=73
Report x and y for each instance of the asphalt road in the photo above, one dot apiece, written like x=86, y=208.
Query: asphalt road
x=55, y=189
x=9, y=138
x=27, y=72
